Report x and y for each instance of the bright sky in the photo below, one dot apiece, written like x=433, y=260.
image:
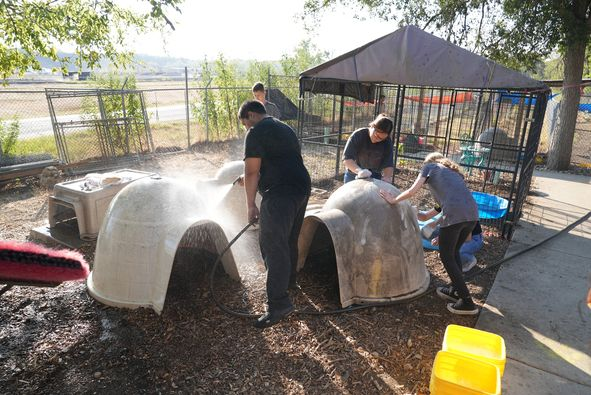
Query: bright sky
x=225, y=26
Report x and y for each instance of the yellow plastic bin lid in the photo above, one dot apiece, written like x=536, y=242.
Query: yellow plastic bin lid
x=475, y=343
x=456, y=374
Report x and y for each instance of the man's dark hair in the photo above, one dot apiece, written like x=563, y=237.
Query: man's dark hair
x=258, y=87
x=383, y=123
x=252, y=106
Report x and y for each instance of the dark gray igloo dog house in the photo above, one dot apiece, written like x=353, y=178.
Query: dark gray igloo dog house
x=379, y=254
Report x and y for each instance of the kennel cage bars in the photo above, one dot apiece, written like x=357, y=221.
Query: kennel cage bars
x=492, y=134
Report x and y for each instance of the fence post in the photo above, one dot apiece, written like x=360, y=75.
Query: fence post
x=237, y=93
x=146, y=122
x=207, y=110
x=341, y=113
x=125, y=120
x=187, y=107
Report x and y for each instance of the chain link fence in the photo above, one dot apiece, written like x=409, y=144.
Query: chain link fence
x=581, y=154
x=92, y=127
x=490, y=134
x=26, y=132
x=581, y=150
x=176, y=115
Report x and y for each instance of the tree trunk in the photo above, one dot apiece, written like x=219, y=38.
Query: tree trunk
x=561, y=140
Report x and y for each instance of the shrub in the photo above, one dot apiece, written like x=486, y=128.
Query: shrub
x=9, y=133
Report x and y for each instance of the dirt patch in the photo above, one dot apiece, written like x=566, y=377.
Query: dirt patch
x=60, y=340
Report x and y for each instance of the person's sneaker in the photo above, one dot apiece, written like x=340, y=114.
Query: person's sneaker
x=447, y=293
x=467, y=266
x=270, y=318
x=463, y=307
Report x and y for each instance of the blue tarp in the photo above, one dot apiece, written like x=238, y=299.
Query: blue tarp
x=515, y=98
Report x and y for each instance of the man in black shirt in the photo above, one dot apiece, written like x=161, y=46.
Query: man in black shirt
x=273, y=164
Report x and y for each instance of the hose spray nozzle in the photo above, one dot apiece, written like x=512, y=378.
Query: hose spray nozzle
x=236, y=180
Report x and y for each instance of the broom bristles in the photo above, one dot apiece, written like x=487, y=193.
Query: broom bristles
x=26, y=261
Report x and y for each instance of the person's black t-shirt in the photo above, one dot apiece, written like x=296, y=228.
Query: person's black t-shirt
x=282, y=167
x=368, y=155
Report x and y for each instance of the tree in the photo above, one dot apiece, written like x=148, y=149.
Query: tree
x=230, y=97
x=259, y=71
x=96, y=28
x=305, y=56
x=516, y=33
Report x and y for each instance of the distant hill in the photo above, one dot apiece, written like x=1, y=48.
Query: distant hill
x=149, y=64
x=142, y=63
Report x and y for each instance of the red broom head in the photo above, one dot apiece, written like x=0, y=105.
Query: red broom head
x=31, y=262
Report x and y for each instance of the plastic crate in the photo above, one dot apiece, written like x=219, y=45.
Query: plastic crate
x=456, y=374
x=474, y=343
x=71, y=199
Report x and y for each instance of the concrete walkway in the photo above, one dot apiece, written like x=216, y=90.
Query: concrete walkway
x=538, y=300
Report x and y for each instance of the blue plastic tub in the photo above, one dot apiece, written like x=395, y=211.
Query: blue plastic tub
x=490, y=206
x=427, y=243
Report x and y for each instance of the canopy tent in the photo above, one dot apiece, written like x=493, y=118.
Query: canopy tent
x=410, y=56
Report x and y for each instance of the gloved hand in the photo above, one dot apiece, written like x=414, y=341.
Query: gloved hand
x=427, y=231
x=363, y=173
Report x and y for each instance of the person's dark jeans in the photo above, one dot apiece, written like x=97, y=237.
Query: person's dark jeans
x=451, y=239
x=280, y=221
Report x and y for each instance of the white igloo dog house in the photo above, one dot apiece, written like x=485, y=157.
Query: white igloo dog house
x=144, y=225
x=378, y=249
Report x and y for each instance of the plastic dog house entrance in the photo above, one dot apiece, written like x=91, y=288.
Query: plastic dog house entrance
x=378, y=251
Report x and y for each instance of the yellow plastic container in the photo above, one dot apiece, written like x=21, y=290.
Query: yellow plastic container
x=456, y=374
x=475, y=343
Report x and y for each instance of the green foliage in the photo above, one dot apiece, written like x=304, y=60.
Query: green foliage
x=203, y=104
x=516, y=33
x=9, y=136
x=217, y=107
x=228, y=100
x=552, y=69
x=44, y=145
x=259, y=71
x=306, y=55
x=96, y=28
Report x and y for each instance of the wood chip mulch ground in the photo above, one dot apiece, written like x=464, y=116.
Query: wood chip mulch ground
x=60, y=340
